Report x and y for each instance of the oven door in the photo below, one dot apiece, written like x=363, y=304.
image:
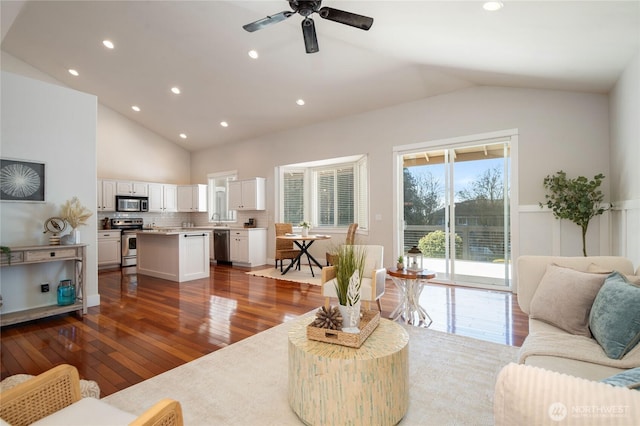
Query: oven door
x=128, y=249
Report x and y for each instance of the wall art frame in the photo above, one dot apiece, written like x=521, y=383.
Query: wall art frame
x=22, y=180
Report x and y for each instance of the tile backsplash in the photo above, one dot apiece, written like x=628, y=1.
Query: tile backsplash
x=177, y=219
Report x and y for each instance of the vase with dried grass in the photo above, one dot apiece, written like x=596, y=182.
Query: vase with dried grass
x=75, y=214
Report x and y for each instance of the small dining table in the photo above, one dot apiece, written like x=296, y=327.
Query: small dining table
x=303, y=242
x=410, y=283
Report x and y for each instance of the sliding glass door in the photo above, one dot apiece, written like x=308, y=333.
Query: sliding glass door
x=456, y=211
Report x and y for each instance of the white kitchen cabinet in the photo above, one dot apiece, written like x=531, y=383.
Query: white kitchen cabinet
x=248, y=247
x=192, y=198
x=247, y=194
x=109, y=248
x=106, y=195
x=136, y=189
x=163, y=197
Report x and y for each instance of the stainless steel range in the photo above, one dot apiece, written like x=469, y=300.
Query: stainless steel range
x=129, y=227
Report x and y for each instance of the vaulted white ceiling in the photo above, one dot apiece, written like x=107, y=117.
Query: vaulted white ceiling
x=415, y=49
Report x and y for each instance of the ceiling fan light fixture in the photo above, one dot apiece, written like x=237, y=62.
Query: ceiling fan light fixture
x=183, y=136
x=73, y=72
x=253, y=54
x=175, y=90
x=300, y=102
x=492, y=6
x=224, y=124
x=136, y=108
x=306, y=8
x=108, y=44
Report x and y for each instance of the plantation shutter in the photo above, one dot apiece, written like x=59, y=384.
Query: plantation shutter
x=345, y=196
x=293, y=187
x=325, y=197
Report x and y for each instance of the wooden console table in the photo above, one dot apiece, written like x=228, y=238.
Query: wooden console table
x=28, y=255
x=330, y=384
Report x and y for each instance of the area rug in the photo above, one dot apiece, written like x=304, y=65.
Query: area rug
x=301, y=276
x=451, y=382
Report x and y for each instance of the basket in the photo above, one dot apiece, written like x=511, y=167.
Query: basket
x=368, y=323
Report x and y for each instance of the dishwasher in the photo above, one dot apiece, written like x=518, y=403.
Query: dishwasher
x=221, y=246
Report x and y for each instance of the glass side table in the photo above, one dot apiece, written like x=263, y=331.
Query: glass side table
x=410, y=283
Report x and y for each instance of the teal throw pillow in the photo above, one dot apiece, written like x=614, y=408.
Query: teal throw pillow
x=628, y=379
x=615, y=316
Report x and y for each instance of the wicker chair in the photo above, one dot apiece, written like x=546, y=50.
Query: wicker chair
x=59, y=388
x=351, y=237
x=284, y=249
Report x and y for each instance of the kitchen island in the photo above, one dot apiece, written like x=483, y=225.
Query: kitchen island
x=176, y=255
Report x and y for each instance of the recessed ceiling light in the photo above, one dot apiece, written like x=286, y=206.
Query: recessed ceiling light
x=224, y=124
x=175, y=90
x=73, y=72
x=108, y=44
x=253, y=54
x=183, y=136
x=136, y=108
x=492, y=6
x=300, y=102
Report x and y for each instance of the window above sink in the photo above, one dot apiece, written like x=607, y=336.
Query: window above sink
x=218, y=209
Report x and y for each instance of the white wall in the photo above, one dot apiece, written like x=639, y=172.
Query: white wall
x=625, y=162
x=55, y=125
x=127, y=150
x=151, y=158
x=557, y=130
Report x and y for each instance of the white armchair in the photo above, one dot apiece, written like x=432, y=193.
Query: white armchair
x=375, y=274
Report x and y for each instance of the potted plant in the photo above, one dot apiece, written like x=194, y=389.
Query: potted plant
x=400, y=264
x=6, y=252
x=349, y=272
x=305, y=227
x=576, y=199
x=75, y=214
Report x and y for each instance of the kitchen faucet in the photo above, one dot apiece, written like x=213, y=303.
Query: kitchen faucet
x=216, y=218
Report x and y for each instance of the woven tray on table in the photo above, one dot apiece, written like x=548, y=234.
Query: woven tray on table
x=368, y=323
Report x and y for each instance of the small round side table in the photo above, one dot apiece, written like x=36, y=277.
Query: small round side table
x=410, y=284
x=331, y=384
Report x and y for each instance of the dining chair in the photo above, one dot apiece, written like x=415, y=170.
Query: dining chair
x=284, y=248
x=373, y=282
x=350, y=239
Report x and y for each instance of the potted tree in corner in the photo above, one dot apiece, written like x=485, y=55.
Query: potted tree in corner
x=577, y=199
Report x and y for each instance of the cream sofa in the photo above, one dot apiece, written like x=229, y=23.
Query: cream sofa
x=527, y=395
x=554, y=349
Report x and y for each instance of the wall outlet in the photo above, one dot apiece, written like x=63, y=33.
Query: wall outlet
x=44, y=288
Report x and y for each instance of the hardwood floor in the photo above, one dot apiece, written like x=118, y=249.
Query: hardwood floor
x=145, y=326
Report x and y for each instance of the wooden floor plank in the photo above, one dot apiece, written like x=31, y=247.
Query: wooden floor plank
x=145, y=326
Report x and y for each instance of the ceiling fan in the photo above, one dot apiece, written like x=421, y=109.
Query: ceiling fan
x=306, y=8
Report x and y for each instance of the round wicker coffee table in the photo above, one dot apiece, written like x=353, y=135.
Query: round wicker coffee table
x=334, y=384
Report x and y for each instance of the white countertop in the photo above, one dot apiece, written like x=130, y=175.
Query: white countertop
x=178, y=231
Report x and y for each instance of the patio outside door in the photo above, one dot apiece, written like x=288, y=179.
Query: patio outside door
x=456, y=210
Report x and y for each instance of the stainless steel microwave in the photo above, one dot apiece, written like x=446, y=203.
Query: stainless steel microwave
x=125, y=203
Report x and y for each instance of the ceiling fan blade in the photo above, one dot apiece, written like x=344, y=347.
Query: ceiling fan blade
x=269, y=20
x=347, y=18
x=309, y=34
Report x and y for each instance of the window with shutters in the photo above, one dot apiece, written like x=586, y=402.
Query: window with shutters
x=330, y=193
